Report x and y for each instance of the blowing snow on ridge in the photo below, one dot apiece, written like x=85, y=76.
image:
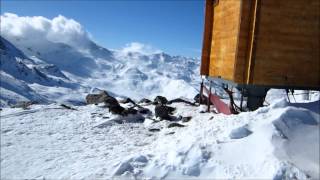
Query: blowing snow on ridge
x=63, y=64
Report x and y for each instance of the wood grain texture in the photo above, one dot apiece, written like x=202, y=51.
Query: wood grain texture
x=287, y=49
x=279, y=41
x=224, y=38
x=244, y=46
x=207, y=38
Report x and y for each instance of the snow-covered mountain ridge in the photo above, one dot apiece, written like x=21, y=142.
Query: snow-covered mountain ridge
x=61, y=69
x=59, y=62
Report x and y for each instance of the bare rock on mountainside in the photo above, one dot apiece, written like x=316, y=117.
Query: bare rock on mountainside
x=24, y=104
x=67, y=107
x=110, y=101
x=186, y=119
x=97, y=98
x=171, y=125
x=204, y=99
x=129, y=111
x=116, y=109
x=113, y=105
x=179, y=100
x=127, y=100
x=154, y=129
x=144, y=111
x=163, y=111
x=145, y=101
x=160, y=100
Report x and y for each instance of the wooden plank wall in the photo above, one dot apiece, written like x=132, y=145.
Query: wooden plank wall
x=287, y=47
x=243, y=47
x=224, y=38
x=207, y=38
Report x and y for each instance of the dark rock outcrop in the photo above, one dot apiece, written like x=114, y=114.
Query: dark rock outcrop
x=96, y=98
x=163, y=111
x=24, y=104
x=110, y=101
x=160, y=100
x=129, y=111
x=179, y=100
x=186, y=119
x=127, y=100
x=144, y=111
x=154, y=129
x=144, y=100
x=175, y=125
x=67, y=107
x=204, y=99
x=116, y=109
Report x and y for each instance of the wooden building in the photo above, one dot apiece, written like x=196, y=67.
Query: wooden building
x=263, y=43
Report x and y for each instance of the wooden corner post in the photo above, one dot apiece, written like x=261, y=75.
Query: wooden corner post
x=207, y=38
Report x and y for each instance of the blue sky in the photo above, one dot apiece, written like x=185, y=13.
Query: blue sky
x=174, y=26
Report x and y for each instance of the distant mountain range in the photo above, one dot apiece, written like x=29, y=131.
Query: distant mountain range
x=47, y=71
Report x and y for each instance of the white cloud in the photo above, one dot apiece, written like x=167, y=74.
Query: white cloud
x=136, y=47
x=38, y=29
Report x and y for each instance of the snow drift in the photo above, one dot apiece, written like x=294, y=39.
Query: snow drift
x=58, y=143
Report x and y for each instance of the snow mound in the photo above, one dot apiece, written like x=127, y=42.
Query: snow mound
x=281, y=145
x=299, y=130
x=240, y=132
x=130, y=165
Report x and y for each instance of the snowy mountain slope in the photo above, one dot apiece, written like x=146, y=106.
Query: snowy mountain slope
x=13, y=73
x=19, y=74
x=62, y=55
x=55, y=60
x=50, y=142
x=14, y=62
x=130, y=74
x=13, y=90
x=59, y=52
x=140, y=75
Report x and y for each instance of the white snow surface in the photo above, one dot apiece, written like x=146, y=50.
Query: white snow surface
x=50, y=142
